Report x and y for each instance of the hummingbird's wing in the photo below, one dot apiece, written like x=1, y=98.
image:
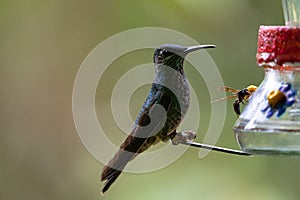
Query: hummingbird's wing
x=148, y=124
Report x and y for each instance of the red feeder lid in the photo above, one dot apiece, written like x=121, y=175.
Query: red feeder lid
x=278, y=44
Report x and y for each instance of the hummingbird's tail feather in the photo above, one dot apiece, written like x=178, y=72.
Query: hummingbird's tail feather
x=140, y=139
x=128, y=150
x=110, y=175
x=114, y=168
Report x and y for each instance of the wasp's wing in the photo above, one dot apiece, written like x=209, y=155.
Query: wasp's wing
x=229, y=89
x=224, y=98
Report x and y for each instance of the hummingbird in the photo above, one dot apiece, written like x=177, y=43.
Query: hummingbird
x=162, y=112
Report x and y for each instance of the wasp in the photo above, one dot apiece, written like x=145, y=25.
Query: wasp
x=242, y=96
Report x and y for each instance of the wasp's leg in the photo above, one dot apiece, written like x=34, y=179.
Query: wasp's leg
x=244, y=101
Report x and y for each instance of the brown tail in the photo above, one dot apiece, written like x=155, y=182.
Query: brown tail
x=128, y=150
x=138, y=141
x=115, y=167
x=110, y=175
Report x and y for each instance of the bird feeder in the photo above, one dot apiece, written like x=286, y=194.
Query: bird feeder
x=270, y=123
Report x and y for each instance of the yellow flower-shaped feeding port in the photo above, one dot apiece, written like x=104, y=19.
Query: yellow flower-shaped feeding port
x=279, y=100
x=276, y=98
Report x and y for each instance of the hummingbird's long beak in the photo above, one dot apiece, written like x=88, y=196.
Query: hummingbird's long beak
x=195, y=48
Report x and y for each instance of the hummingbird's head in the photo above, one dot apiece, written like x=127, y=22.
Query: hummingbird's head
x=173, y=55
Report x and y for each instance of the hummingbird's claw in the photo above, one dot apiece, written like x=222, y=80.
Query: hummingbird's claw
x=183, y=137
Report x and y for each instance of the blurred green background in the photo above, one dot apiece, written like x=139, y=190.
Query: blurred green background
x=42, y=44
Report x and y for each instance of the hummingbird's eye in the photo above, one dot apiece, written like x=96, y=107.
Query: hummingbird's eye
x=161, y=55
x=165, y=53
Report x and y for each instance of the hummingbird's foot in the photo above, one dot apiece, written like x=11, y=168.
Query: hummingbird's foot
x=183, y=137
